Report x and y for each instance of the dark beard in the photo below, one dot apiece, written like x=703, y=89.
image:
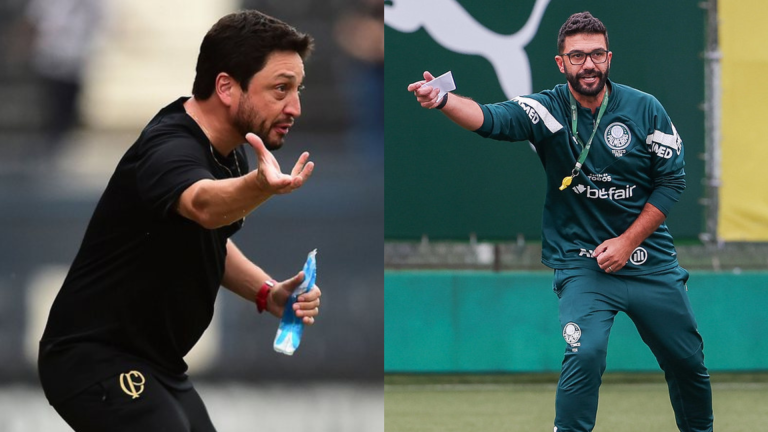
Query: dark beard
x=588, y=91
x=245, y=120
x=261, y=130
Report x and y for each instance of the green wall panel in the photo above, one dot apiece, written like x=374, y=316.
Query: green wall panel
x=442, y=321
x=446, y=182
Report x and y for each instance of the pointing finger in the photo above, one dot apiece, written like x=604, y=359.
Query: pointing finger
x=415, y=86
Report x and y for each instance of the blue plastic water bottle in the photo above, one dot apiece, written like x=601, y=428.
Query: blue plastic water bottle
x=291, y=327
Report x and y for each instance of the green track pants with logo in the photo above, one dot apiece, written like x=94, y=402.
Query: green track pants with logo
x=658, y=305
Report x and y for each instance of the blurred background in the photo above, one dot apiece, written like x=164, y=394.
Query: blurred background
x=467, y=300
x=79, y=79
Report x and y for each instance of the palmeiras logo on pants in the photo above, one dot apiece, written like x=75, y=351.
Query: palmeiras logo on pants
x=572, y=333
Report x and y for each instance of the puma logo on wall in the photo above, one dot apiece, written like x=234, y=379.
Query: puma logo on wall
x=451, y=26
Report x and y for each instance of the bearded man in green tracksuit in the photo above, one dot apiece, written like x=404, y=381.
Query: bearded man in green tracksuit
x=614, y=167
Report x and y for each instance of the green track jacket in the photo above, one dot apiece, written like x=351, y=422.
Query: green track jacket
x=636, y=157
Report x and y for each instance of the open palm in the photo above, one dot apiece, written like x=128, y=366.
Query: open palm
x=269, y=175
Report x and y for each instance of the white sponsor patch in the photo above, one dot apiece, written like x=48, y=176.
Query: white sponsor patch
x=600, y=177
x=661, y=151
x=537, y=112
x=639, y=256
x=665, y=144
x=612, y=193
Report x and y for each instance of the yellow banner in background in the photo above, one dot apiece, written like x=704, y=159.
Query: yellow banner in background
x=743, y=214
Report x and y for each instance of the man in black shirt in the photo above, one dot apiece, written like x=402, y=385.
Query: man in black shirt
x=141, y=290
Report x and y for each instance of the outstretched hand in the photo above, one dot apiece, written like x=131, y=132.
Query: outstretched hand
x=307, y=305
x=268, y=174
x=426, y=95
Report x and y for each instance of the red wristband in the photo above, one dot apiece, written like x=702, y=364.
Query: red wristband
x=263, y=294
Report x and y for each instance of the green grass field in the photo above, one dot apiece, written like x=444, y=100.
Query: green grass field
x=525, y=403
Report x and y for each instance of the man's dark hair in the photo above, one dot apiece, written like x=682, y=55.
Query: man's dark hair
x=239, y=44
x=582, y=22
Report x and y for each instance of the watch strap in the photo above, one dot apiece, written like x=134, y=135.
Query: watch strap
x=263, y=295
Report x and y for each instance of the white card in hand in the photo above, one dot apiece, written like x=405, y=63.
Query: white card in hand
x=444, y=83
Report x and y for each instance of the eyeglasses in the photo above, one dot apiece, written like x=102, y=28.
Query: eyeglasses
x=578, y=58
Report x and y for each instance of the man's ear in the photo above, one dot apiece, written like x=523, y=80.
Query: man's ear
x=227, y=89
x=560, y=65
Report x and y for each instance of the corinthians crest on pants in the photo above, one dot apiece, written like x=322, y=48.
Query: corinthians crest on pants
x=132, y=383
x=618, y=138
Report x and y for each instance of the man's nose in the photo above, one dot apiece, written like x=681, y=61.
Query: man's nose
x=293, y=107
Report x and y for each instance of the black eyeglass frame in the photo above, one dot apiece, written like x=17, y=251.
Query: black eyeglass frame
x=590, y=54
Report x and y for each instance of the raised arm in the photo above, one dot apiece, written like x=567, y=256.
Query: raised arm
x=461, y=110
x=216, y=203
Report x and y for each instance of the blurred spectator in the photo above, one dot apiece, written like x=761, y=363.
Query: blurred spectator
x=360, y=33
x=59, y=38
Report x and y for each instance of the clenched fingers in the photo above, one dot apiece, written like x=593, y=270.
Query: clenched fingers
x=307, y=306
x=426, y=95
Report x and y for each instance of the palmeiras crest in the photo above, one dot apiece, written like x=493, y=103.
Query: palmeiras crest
x=572, y=333
x=618, y=138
